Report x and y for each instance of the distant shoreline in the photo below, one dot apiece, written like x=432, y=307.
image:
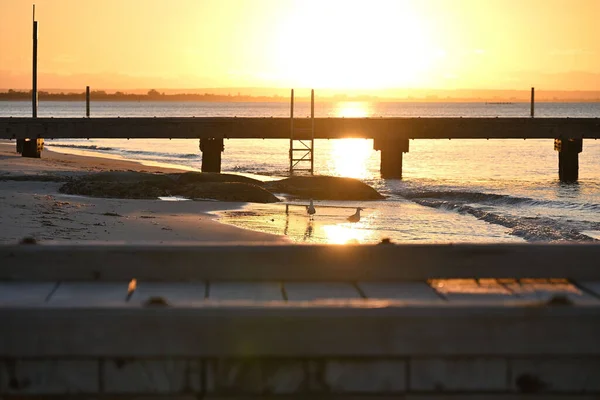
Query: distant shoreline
x=212, y=97
x=233, y=99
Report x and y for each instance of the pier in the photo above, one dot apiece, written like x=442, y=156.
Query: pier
x=489, y=321
x=390, y=135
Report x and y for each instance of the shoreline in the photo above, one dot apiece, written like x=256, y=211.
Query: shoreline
x=136, y=98
x=36, y=209
x=71, y=164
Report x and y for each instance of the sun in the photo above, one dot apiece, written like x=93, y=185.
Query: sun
x=352, y=44
x=352, y=109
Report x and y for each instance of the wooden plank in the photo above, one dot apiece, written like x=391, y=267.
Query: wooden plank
x=227, y=291
x=300, y=331
x=254, y=377
x=48, y=377
x=566, y=375
x=17, y=294
x=320, y=291
x=151, y=376
x=290, y=263
x=89, y=294
x=408, y=291
x=544, y=290
x=425, y=396
x=472, y=290
x=459, y=375
x=592, y=287
x=174, y=294
x=364, y=376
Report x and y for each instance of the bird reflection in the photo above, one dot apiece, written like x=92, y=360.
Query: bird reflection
x=287, y=220
x=309, y=230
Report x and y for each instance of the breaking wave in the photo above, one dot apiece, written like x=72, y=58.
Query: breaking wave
x=466, y=197
x=83, y=147
x=125, y=152
x=532, y=229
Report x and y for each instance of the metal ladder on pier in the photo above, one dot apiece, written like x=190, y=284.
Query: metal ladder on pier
x=302, y=141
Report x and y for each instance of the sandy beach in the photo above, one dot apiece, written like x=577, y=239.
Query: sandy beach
x=36, y=209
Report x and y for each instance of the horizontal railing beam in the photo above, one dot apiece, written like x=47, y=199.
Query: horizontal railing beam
x=278, y=128
x=299, y=332
x=316, y=263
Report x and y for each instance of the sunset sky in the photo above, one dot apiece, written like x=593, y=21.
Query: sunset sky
x=345, y=44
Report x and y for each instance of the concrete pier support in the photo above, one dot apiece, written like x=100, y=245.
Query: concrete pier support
x=211, y=149
x=32, y=148
x=391, y=156
x=568, y=158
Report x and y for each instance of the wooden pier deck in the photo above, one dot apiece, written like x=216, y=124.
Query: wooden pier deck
x=419, y=321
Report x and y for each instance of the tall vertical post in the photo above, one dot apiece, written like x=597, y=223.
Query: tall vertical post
x=312, y=131
x=87, y=101
x=21, y=142
x=291, y=131
x=32, y=147
x=34, y=93
x=532, y=102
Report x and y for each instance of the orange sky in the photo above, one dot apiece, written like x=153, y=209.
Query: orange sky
x=345, y=44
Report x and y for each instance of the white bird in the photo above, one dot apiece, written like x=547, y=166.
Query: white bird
x=356, y=216
x=311, y=209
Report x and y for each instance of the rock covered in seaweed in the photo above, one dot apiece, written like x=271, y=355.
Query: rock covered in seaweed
x=138, y=185
x=228, y=191
x=121, y=184
x=201, y=177
x=324, y=188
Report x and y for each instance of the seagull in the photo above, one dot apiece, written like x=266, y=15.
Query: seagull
x=356, y=216
x=311, y=209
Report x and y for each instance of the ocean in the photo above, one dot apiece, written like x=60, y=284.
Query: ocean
x=452, y=190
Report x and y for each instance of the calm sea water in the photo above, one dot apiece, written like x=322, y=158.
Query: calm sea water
x=452, y=191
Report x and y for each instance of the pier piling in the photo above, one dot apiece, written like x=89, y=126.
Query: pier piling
x=568, y=158
x=532, y=102
x=87, y=101
x=32, y=148
x=20, y=145
x=392, y=150
x=211, y=149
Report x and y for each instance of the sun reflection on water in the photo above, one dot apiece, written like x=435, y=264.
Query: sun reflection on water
x=329, y=225
x=346, y=233
x=349, y=157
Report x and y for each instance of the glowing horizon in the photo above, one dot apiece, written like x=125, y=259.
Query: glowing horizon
x=334, y=44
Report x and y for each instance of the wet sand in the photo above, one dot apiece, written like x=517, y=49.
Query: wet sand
x=329, y=225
